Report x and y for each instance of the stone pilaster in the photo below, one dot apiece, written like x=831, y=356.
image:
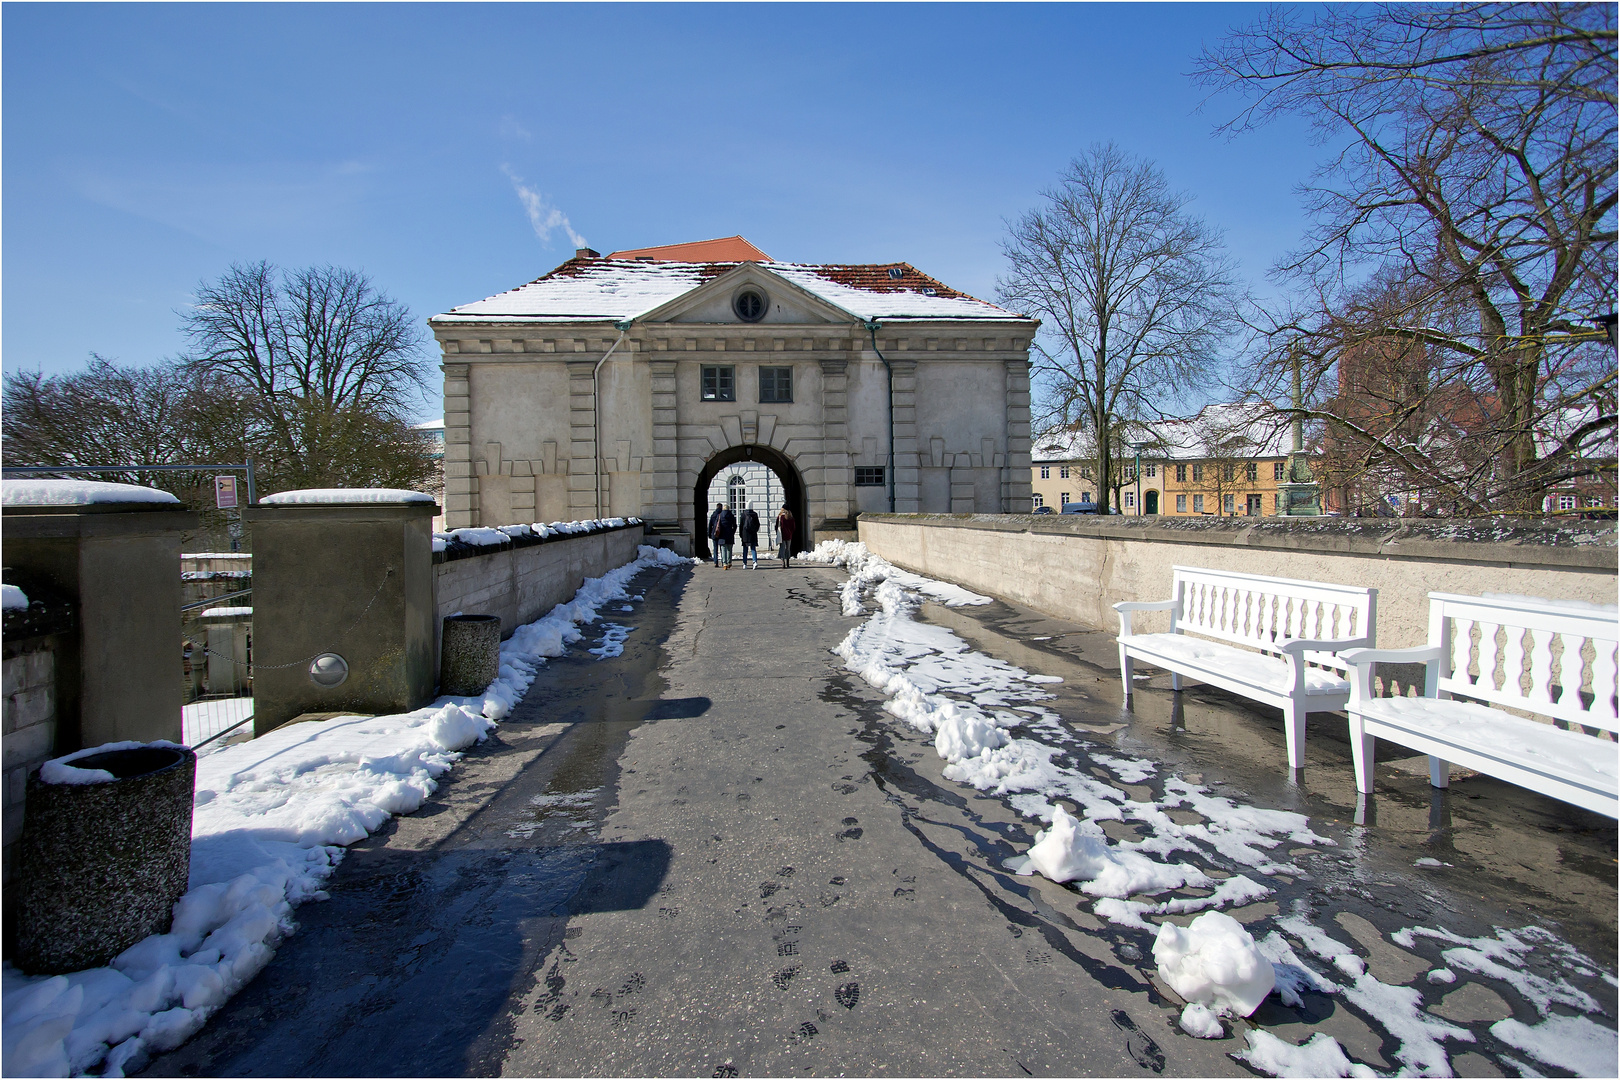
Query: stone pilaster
x=582, y=463
x=836, y=479
x=907, y=478
x=460, y=488
x=1015, y=486
x=664, y=502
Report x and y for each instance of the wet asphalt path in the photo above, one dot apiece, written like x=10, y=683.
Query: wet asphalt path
x=709, y=856
x=715, y=855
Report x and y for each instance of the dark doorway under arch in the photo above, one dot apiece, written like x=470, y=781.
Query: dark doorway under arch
x=793, y=495
x=1151, y=504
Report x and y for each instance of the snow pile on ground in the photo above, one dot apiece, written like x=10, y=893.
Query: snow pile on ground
x=866, y=570
x=937, y=685
x=271, y=816
x=484, y=536
x=1214, y=962
x=13, y=598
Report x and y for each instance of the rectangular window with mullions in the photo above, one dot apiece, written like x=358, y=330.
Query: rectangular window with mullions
x=719, y=383
x=870, y=476
x=775, y=384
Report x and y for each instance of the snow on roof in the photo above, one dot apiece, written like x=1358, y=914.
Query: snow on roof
x=345, y=497
x=586, y=289
x=79, y=493
x=227, y=613
x=1234, y=429
x=429, y=425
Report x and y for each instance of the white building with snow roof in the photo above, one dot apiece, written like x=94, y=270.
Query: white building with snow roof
x=623, y=385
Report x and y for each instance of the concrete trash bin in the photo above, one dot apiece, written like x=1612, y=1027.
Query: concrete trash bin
x=105, y=853
x=469, y=654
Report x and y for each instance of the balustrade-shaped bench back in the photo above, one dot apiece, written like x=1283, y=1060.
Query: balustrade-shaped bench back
x=1265, y=612
x=1559, y=662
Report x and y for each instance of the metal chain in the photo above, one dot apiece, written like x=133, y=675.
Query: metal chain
x=312, y=656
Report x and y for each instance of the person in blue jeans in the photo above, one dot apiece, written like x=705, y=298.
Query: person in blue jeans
x=714, y=543
x=748, y=533
x=725, y=532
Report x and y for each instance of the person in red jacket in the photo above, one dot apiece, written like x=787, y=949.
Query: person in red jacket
x=784, y=534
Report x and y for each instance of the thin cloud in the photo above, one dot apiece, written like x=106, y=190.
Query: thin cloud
x=544, y=217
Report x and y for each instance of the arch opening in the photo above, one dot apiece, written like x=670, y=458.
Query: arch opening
x=1151, y=503
x=792, y=496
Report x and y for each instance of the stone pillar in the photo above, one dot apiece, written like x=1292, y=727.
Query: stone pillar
x=351, y=574
x=114, y=549
x=227, y=631
x=460, y=488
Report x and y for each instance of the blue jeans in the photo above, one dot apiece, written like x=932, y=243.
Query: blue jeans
x=725, y=555
x=746, y=549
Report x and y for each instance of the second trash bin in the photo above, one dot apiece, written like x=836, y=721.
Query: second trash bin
x=469, y=654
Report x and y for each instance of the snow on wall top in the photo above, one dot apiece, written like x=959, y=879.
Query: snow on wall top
x=344, y=497
x=80, y=493
x=618, y=289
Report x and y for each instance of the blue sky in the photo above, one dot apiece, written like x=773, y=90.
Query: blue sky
x=147, y=147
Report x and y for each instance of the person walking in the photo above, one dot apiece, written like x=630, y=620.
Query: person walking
x=784, y=533
x=714, y=544
x=748, y=533
x=725, y=532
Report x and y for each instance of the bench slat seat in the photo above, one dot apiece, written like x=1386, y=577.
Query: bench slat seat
x=1206, y=660
x=1477, y=655
x=1272, y=640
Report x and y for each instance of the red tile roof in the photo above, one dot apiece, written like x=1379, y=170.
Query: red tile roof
x=724, y=249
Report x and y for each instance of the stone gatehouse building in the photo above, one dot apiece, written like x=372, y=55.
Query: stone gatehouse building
x=621, y=385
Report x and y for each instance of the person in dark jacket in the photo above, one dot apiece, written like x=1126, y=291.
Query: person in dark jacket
x=714, y=545
x=784, y=533
x=725, y=532
x=748, y=533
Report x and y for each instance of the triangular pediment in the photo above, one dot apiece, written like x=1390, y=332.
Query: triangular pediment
x=713, y=302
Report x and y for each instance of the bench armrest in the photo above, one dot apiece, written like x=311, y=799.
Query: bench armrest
x=1125, y=607
x=1361, y=663
x=1299, y=646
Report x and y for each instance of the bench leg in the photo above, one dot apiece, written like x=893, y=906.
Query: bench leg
x=1439, y=773
x=1294, y=731
x=1362, y=750
x=1175, y=681
x=1125, y=671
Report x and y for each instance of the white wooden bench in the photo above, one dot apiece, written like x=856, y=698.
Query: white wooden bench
x=1272, y=640
x=1531, y=657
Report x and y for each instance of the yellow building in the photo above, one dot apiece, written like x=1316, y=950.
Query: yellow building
x=1227, y=461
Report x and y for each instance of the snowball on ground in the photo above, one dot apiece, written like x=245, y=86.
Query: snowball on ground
x=1214, y=961
x=962, y=737
x=269, y=816
x=79, y=493
x=1199, y=1021
x=345, y=497
x=13, y=598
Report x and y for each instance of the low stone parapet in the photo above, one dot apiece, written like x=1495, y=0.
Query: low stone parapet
x=1076, y=567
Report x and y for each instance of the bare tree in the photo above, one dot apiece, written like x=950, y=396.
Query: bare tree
x=1134, y=295
x=1473, y=180
x=331, y=364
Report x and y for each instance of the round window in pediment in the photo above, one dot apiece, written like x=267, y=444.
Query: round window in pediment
x=750, y=304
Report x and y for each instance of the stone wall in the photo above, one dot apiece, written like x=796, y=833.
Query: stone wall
x=29, y=687
x=1075, y=567
x=522, y=580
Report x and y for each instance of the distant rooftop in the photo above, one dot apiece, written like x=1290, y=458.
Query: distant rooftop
x=724, y=249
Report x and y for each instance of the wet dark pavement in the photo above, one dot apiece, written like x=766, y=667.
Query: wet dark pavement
x=715, y=855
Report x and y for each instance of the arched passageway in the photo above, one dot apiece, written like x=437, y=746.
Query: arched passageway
x=1151, y=504
x=793, y=496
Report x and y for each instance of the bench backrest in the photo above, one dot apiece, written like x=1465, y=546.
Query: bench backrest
x=1514, y=651
x=1264, y=612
